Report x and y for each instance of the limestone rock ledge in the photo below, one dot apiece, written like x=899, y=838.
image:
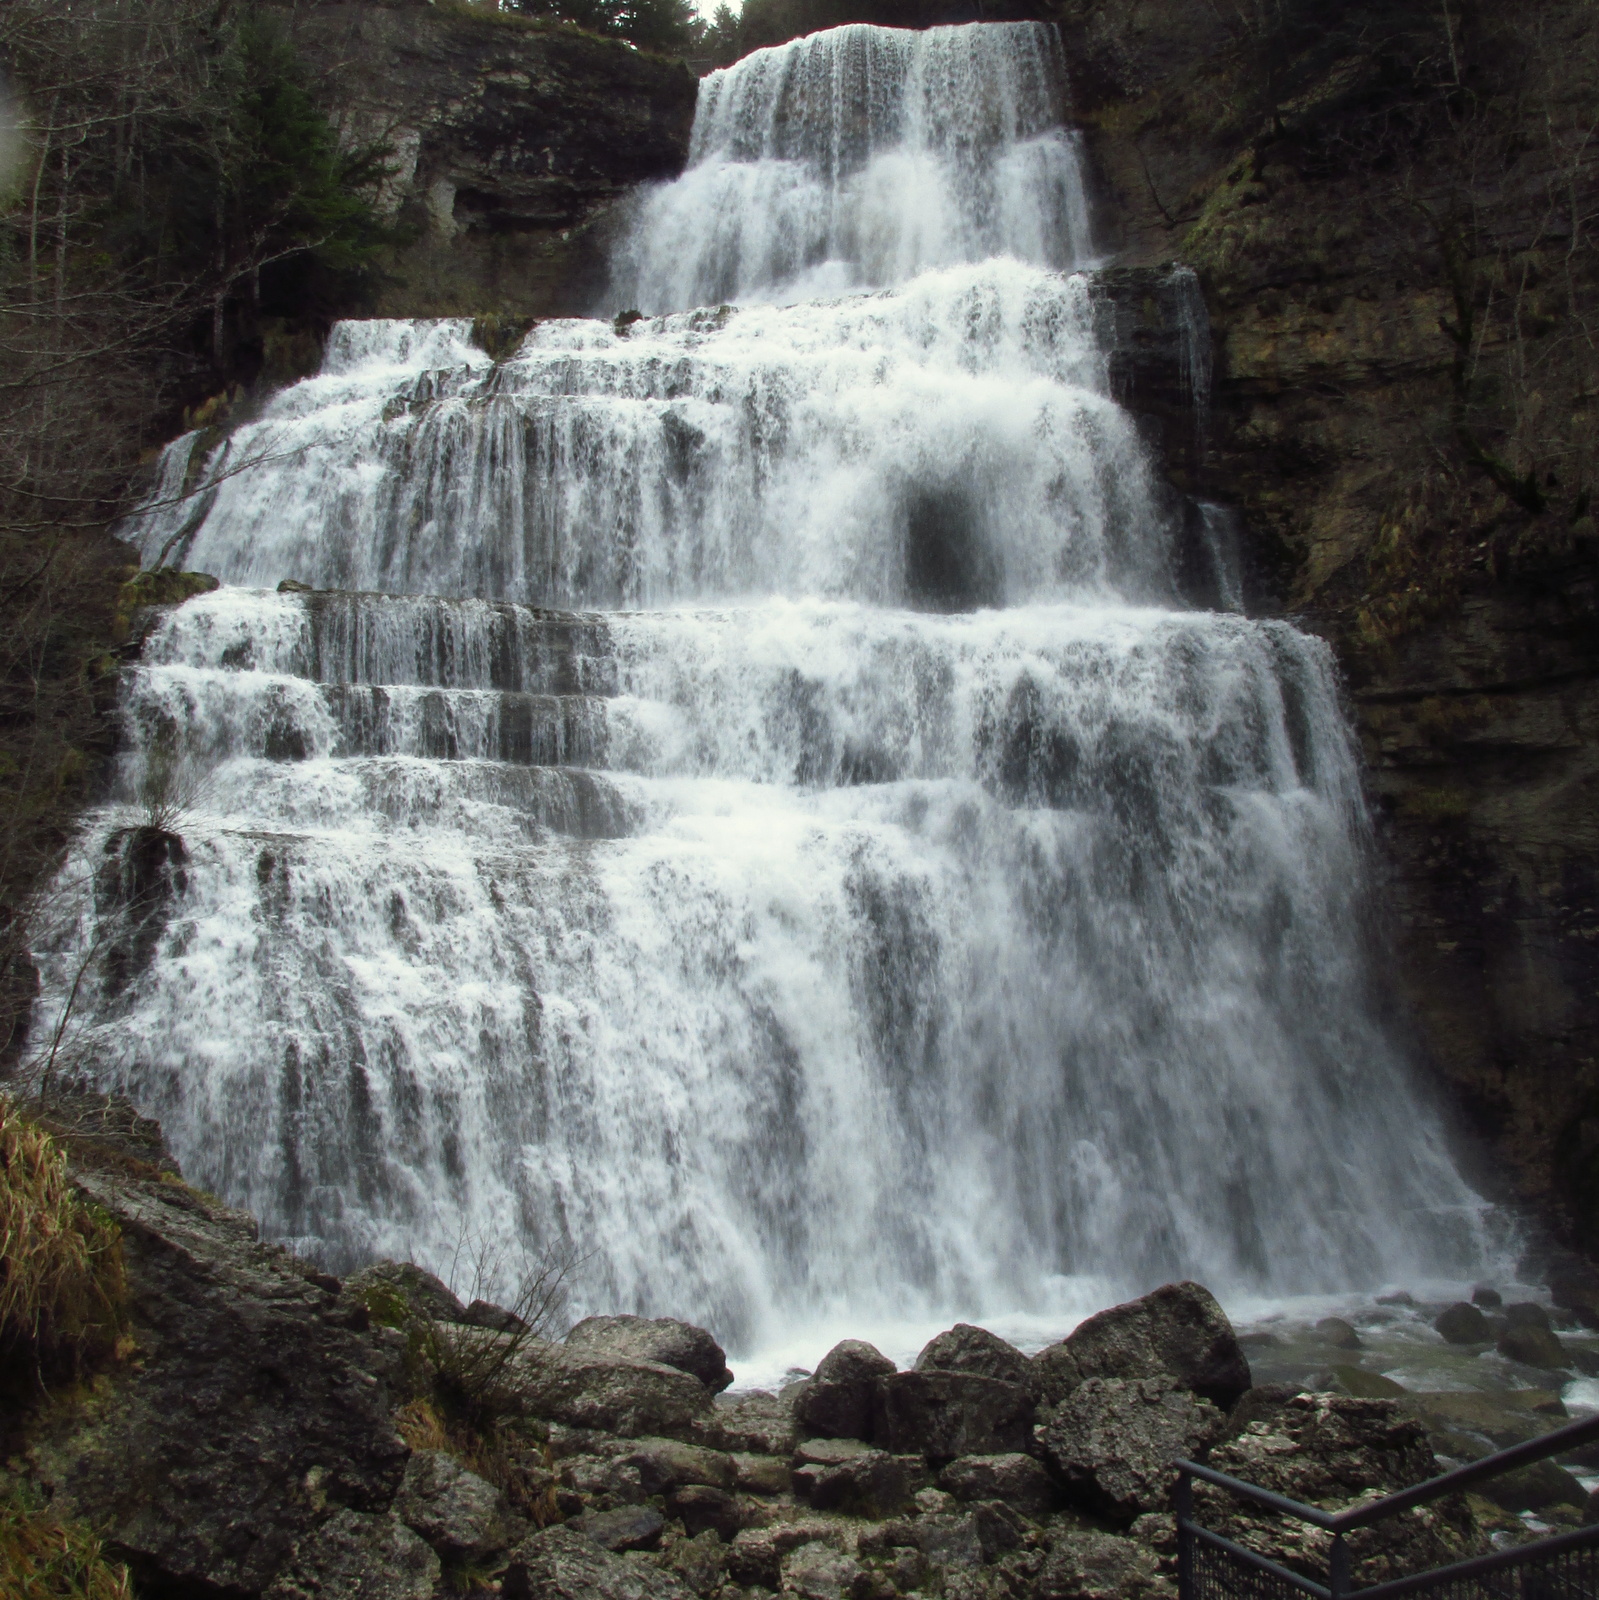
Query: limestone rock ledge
x=508, y=141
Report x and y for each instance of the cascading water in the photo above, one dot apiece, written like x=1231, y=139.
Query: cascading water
x=892, y=904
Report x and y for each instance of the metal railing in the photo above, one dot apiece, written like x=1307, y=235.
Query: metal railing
x=1562, y=1567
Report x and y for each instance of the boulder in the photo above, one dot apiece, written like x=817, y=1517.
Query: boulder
x=758, y=1422
x=1053, y=1374
x=1264, y=1400
x=423, y=1296
x=1527, y=1314
x=562, y=1563
x=1471, y=1424
x=1462, y=1323
x=701, y=1508
x=609, y=1394
x=1339, y=1334
x=660, y=1340
x=965, y=1348
x=1332, y=1451
x=870, y=1483
x=1534, y=1488
x=755, y=1558
x=818, y=1571
x=838, y=1401
x=1317, y=1447
x=667, y=1464
x=611, y=1476
x=1113, y=1441
x=969, y=1538
x=1367, y=1385
x=1532, y=1346
x=358, y=1556
x=761, y=1474
x=251, y=1409
x=460, y=1514
x=485, y=1314
x=1177, y=1331
x=625, y=1528
x=1482, y=1295
x=700, y=1561
x=1015, y=1480
x=941, y=1415
x=1101, y=1566
x=829, y=1452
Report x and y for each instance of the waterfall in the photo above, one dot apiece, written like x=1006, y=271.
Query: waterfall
x=859, y=157
x=745, y=804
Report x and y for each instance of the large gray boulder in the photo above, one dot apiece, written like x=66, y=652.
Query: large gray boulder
x=1462, y=1323
x=818, y=1571
x=970, y=1536
x=609, y=1394
x=561, y=1563
x=965, y=1348
x=358, y=1556
x=758, y=1422
x=1101, y=1566
x=1332, y=1450
x=1113, y=1440
x=838, y=1401
x=1316, y=1447
x=700, y=1561
x=859, y=1481
x=1015, y=1479
x=406, y=1287
x=1052, y=1374
x=461, y=1515
x=667, y=1464
x=661, y=1340
x=755, y=1559
x=1177, y=1332
x=624, y=1528
x=941, y=1415
x=1533, y=1346
x=701, y=1508
x=250, y=1384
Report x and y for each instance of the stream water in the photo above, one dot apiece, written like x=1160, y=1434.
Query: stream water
x=746, y=806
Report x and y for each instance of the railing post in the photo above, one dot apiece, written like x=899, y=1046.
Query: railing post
x=1183, y=1505
x=1338, y=1568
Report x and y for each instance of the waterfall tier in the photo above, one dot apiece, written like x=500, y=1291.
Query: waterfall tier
x=858, y=158
x=944, y=444
x=747, y=805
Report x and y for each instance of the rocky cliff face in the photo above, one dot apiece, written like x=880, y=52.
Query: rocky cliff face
x=1386, y=211
x=509, y=140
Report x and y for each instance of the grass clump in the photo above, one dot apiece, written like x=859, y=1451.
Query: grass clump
x=504, y=1451
x=43, y=1559
x=61, y=1277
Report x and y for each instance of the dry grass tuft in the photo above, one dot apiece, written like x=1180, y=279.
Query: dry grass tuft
x=521, y=1466
x=42, y=1559
x=61, y=1278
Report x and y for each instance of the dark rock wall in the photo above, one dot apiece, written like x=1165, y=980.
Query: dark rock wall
x=1351, y=188
x=509, y=140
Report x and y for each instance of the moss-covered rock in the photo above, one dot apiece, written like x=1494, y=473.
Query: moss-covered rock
x=165, y=587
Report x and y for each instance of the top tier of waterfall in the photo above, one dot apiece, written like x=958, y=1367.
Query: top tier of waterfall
x=859, y=157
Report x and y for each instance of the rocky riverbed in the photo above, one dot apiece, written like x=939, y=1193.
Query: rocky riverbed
x=264, y=1429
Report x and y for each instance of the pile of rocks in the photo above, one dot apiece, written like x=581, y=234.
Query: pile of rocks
x=248, y=1443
